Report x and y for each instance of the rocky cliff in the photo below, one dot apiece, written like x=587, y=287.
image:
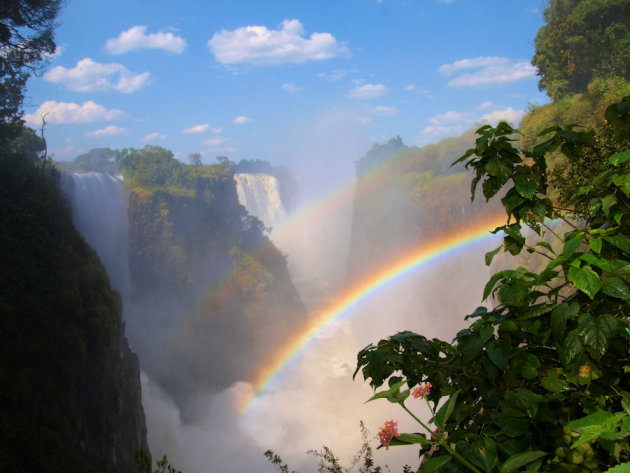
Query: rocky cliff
x=70, y=399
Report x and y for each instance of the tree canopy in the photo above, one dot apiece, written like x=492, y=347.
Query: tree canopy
x=26, y=39
x=582, y=40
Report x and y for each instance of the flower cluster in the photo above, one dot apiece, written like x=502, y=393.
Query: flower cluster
x=387, y=432
x=421, y=391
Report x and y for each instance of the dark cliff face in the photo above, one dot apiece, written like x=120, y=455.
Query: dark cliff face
x=211, y=294
x=70, y=399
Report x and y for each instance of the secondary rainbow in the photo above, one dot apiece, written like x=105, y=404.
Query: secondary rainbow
x=358, y=292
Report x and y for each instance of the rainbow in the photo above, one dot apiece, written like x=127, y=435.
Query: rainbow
x=357, y=293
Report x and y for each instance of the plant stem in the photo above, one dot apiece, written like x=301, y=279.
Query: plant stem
x=442, y=442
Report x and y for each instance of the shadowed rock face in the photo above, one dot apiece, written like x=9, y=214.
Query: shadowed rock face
x=71, y=395
x=209, y=296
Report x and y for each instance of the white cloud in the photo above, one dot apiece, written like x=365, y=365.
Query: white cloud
x=111, y=130
x=485, y=106
x=367, y=91
x=63, y=112
x=384, y=111
x=135, y=38
x=241, y=120
x=509, y=115
x=215, y=141
x=91, y=76
x=337, y=74
x=260, y=46
x=292, y=87
x=490, y=70
x=473, y=63
x=197, y=129
x=153, y=137
x=216, y=131
x=450, y=118
x=410, y=87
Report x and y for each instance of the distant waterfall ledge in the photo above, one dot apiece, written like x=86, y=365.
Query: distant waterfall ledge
x=260, y=195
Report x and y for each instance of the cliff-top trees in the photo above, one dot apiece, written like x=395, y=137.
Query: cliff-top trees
x=582, y=40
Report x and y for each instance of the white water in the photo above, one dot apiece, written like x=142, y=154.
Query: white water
x=260, y=195
x=99, y=212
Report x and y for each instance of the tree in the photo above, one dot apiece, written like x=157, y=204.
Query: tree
x=26, y=40
x=582, y=40
x=540, y=381
x=195, y=159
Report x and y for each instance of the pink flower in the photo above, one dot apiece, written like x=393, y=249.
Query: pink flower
x=421, y=391
x=387, y=432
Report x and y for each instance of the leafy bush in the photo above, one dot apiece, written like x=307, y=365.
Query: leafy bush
x=539, y=382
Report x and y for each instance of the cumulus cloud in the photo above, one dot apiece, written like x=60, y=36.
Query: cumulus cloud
x=367, y=91
x=215, y=141
x=111, y=130
x=384, y=111
x=197, y=129
x=241, y=120
x=64, y=112
x=135, y=38
x=487, y=70
x=450, y=118
x=91, y=76
x=509, y=115
x=291, y=87
x=153, y=137
x=258, y=45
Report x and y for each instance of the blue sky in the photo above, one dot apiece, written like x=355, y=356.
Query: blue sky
x=275, y=80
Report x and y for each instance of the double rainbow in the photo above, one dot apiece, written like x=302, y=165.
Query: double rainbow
x=357, y=293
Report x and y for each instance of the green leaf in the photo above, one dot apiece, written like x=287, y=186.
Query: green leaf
x=554, y=383
x=442, y=416
x=589, y=434
x=434, y=464
x=618, y=158
x=499, y=353
x=620, y=241
x=521, y=459
x=623, y=182
x=592, y=420
x=486, y=332
x=596, y=331
x=491, y=254
x=623, y=468
x=596, y=245
x=410, y=439
x=470, y=347
x=585, y=279
x=571, y=347
x=615, y=287
x=572, y=245
x=524, y=186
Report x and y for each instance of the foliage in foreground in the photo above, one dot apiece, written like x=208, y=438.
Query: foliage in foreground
x=539, y=382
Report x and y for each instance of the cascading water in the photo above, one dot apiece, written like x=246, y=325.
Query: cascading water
x=99, y=212
x=260, y=195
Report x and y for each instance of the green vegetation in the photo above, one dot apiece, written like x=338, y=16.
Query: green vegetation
x=539, y=382
x=582, y=41
x=26, y=38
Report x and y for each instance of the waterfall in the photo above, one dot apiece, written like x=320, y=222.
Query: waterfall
x=99, y=212
x=260, y=195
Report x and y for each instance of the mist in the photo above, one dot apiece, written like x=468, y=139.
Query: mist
x=313, y=401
